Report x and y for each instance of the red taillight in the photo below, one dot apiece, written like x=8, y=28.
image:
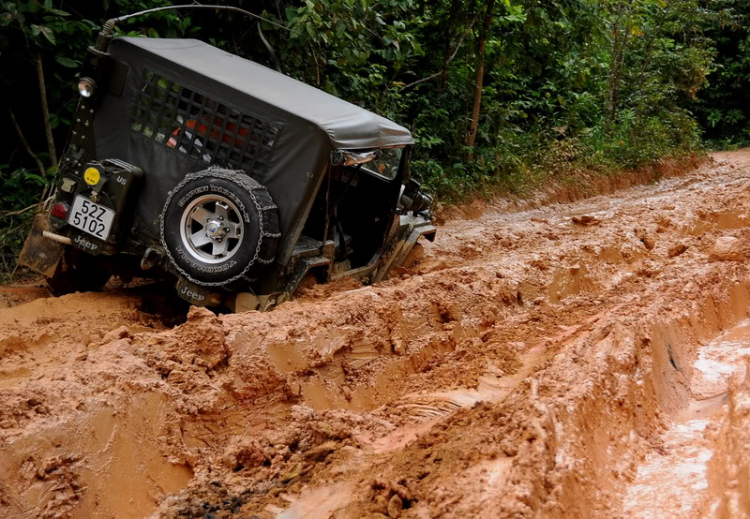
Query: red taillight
x=60, y=210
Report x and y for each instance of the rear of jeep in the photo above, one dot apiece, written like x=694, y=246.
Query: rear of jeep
x=189, y=161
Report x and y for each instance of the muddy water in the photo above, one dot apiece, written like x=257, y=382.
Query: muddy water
x=674, y=481
x=564, y=361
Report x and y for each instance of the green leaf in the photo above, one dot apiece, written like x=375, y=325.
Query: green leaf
x=14, y=12
x=46, y=31
x=31, y=176
x=67, y=62
x=58, y=12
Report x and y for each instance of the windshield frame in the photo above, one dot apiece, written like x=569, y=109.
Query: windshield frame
x=403, y=152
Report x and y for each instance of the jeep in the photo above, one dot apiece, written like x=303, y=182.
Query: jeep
x=232, y=179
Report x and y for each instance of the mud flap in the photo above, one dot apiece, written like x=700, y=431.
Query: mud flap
x=39, y=253
x=197, y=295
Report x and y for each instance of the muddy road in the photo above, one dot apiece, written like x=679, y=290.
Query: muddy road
x=577, y=360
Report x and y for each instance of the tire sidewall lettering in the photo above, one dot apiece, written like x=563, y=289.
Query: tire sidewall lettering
x=233, y=197
x=202, y=267
x=192, y=194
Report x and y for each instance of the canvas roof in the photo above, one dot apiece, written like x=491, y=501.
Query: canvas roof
x=347, y=125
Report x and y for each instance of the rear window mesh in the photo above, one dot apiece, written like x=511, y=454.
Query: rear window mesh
x=202, y=128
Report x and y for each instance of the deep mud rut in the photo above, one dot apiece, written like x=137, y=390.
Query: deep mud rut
x=576, y=360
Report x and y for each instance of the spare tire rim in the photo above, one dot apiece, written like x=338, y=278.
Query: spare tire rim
x=211, y=229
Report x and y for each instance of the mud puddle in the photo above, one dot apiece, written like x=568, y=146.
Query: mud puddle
x=673, y=481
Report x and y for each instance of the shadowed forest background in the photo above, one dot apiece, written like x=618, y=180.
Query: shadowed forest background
x=501, y=95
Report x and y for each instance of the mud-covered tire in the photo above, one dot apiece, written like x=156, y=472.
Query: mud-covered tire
x=78, y=271
x=219, y=208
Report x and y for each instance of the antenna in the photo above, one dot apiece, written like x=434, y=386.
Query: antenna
x=109, y=26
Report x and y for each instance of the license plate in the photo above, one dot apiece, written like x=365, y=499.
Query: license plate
x=90, y=217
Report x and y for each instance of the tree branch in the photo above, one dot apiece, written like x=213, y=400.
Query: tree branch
x=45, y=111
x=25, y=143
x=317, y=65
x=19, y=212
x=447, y=62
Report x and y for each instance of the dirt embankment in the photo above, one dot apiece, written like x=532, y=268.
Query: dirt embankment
x=579, y=359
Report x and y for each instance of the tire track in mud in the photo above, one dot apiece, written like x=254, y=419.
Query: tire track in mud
x=525, y=365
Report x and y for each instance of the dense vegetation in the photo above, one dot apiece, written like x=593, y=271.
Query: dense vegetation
x=499, y=93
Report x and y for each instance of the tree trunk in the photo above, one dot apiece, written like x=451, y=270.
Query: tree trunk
x=617, y=78
x=496, y=143
x=45, y=112
x=634, y=134
x=619, y=45
x=479, y=81
x=443, y=79
x=610, y=109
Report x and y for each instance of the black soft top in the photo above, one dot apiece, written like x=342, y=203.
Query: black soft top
x=307, y=124
x=348, y=126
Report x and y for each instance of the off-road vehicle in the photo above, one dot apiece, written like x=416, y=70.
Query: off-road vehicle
x=237, y=180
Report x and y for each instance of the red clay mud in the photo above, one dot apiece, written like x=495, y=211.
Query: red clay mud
x=585, y=359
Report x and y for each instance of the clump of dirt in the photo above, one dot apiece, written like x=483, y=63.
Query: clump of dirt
x=528, y=363
x=13, y=295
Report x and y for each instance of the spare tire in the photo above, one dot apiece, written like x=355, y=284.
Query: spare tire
x=219, y=226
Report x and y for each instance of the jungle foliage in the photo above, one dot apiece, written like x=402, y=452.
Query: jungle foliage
x=500, y=94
